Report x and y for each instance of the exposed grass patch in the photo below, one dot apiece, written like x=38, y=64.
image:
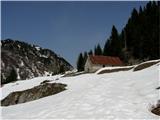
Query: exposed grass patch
x=74, y=74
x=145, y=65
x=115, y=70
x=45, y=81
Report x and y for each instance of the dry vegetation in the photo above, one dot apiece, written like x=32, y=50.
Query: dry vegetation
x=137, y=68
x=115, y=70
x=145, y=65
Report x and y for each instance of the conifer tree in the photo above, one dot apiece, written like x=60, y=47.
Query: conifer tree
x=80, y=63
x=95, y=50
x=90, y=52
x=98, y=50
x=106, y=49
x=115, y=42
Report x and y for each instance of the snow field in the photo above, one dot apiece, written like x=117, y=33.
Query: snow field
x=118, y=95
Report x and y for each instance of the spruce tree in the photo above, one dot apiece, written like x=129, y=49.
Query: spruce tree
x=95, y=50
x=90, y=52
x=80, y=63
x=98, y=50
x=106, y=49
x=115, y=42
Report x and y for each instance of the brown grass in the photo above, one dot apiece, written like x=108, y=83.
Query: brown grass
x=145, y=65
x=115, y=70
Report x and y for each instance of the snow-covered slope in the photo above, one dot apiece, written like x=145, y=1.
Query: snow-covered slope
x=118, y=95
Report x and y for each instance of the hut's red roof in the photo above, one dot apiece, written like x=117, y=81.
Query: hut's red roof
x=105, y=60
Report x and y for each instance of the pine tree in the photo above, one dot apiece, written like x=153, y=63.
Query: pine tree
x=90, y=52
x=140, y=10
x=115, y=42
x=106, y=49
x=80, y=63
x=98, y=50
x=139, y=38
x=95, y=50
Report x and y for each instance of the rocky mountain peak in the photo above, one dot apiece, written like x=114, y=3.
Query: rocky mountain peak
x=29, y=60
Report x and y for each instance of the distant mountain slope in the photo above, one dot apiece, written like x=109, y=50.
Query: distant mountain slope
x=29, y=60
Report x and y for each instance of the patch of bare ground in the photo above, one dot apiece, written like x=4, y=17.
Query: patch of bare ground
x=45, y=81
x=74, y=74
x=156, y=109
x=115, y=70
x=145, y=65
x=157, y=88
x=37, y=92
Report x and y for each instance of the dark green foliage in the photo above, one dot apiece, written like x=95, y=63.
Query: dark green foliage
x=139, y=39
x=90, y=52
x=12, y=77
x=80, y=63
x=98, y=50
x=142, y=32
x=113, y=45
x=107, y=47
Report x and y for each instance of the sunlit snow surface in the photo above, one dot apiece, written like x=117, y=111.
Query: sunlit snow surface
x=119, y=95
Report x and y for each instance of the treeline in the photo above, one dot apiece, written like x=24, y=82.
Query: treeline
x=138, y=40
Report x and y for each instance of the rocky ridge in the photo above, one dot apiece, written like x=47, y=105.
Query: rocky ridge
x=29, y=60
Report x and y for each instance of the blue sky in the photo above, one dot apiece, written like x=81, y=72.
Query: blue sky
x=67, y=28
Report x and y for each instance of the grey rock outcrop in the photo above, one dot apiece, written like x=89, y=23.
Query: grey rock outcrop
x=34, y=93
x=29, y=60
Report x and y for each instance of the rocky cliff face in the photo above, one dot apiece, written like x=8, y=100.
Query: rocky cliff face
x=29, y=60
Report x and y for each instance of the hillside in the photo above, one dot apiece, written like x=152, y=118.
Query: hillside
x=29, y=60
x=119, y=95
